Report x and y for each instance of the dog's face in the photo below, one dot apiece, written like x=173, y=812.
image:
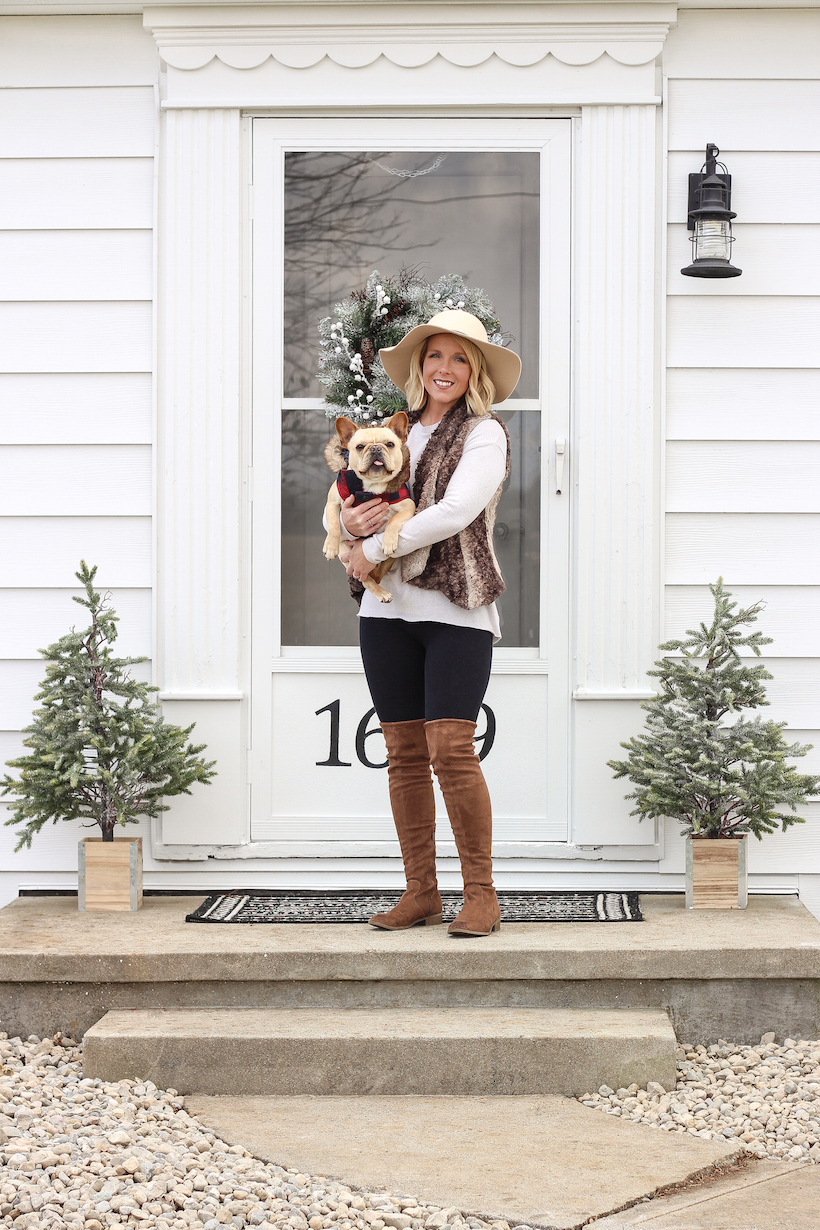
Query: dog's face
x=376, y=454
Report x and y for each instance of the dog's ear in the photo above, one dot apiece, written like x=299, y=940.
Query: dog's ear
x=345, y=428
x=398, y=424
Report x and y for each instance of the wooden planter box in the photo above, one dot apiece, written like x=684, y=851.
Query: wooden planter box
x=716, y=873
x=109, y=874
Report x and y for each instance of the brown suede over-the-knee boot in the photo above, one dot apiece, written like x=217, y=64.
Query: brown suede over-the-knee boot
x=457, y=768
x=414, y=812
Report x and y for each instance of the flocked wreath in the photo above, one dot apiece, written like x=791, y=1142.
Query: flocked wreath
x=380, y=314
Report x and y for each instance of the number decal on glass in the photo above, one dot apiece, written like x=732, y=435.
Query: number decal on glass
x=333, y=761
x=486, y=739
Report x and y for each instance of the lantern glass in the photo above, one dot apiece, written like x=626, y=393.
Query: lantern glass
x=712, y=239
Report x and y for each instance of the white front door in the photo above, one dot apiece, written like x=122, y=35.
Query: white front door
x=334, y=199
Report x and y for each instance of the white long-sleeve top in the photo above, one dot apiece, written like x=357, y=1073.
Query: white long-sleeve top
x=476, y=478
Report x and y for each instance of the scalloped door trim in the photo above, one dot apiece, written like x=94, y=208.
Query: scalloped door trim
x=406, y=55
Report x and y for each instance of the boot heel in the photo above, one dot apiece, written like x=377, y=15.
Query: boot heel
x=432, y=920
x=497, y=925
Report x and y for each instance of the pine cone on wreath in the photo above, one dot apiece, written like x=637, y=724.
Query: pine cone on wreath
x=368, y=353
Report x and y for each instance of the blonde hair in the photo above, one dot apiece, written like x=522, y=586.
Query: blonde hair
x=480, y=393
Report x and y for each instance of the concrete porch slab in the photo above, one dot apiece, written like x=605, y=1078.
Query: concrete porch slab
x=547, y=1161
x=45, y=938
x=733, y=974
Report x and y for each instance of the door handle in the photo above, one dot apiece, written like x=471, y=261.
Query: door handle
x=560, y=453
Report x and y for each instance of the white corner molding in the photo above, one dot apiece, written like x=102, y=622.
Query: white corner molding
x=616, y=507
x=198, y=406
x=266, y=44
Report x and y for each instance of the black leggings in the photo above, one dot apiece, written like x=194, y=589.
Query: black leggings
x=425, y=670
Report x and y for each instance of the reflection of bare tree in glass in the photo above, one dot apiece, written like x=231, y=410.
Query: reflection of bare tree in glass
x=342, y=212
x=333, y=209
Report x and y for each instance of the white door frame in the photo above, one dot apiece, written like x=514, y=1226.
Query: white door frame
x=552, y=138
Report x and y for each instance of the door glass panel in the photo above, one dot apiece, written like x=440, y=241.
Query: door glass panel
x=317, y=608
x=316, y=605
x=475, y=214
x=346, y=214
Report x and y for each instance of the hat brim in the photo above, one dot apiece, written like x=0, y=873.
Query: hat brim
x=503, y=365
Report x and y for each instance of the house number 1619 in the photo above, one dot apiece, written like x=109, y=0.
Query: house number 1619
x=364, y=732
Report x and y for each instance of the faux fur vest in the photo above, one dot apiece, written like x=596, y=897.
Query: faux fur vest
x=464, y=567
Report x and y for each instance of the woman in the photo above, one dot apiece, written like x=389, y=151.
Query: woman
x=427, y=654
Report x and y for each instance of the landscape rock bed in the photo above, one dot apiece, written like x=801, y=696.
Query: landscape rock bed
x=84, y=1154
x=766, y=1096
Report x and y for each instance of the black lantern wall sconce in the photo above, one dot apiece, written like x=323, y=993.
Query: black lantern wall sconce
x=710, y=221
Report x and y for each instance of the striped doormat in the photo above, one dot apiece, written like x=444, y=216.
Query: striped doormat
x=356, y=906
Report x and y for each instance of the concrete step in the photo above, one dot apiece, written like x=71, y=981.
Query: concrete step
x=732, y=974
x=467, y=1051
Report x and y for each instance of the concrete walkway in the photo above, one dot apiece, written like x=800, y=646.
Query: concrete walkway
x=546, y=1161
x=763, y=1196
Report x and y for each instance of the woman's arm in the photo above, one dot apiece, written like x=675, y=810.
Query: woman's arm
x=475, y=480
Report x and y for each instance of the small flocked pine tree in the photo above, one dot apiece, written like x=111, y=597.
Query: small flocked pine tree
x=699, y=762
x=100, y=748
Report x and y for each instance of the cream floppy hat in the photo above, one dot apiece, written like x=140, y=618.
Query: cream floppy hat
x=503, y=366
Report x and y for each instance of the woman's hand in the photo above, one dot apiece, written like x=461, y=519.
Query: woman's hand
x=358, y=565
x=365, y=519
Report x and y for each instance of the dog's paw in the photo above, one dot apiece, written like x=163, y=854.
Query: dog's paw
x=330, y=550
x=385, y=596
x=390, y=542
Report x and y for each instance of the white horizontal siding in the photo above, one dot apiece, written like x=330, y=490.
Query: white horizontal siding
x=75, y=337
x=77, y=123
x=744, y=115
x=776, y=260
x=810, y=763
x=46, y=551
x=70, y=265
x=743, y=548
x=742, y=404
x=52, y=852
x=11, y=746
x=76, y=287
x=75, y=408
x=31, y=619
x=743, y=476
x=742, y=472
x=20, y=681
x=774, y=187
x=77, y=193
x=75, y=480
x=748, y=42
x=794, y=691
x=798, y=849
x=98, y=50
x=726, y=331
x=791, y=616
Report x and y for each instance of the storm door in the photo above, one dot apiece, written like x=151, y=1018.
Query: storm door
x=334, y=200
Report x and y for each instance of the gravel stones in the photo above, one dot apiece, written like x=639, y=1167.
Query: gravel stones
x=82, y=1154
x=94, y=1155
x=767, y=1097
